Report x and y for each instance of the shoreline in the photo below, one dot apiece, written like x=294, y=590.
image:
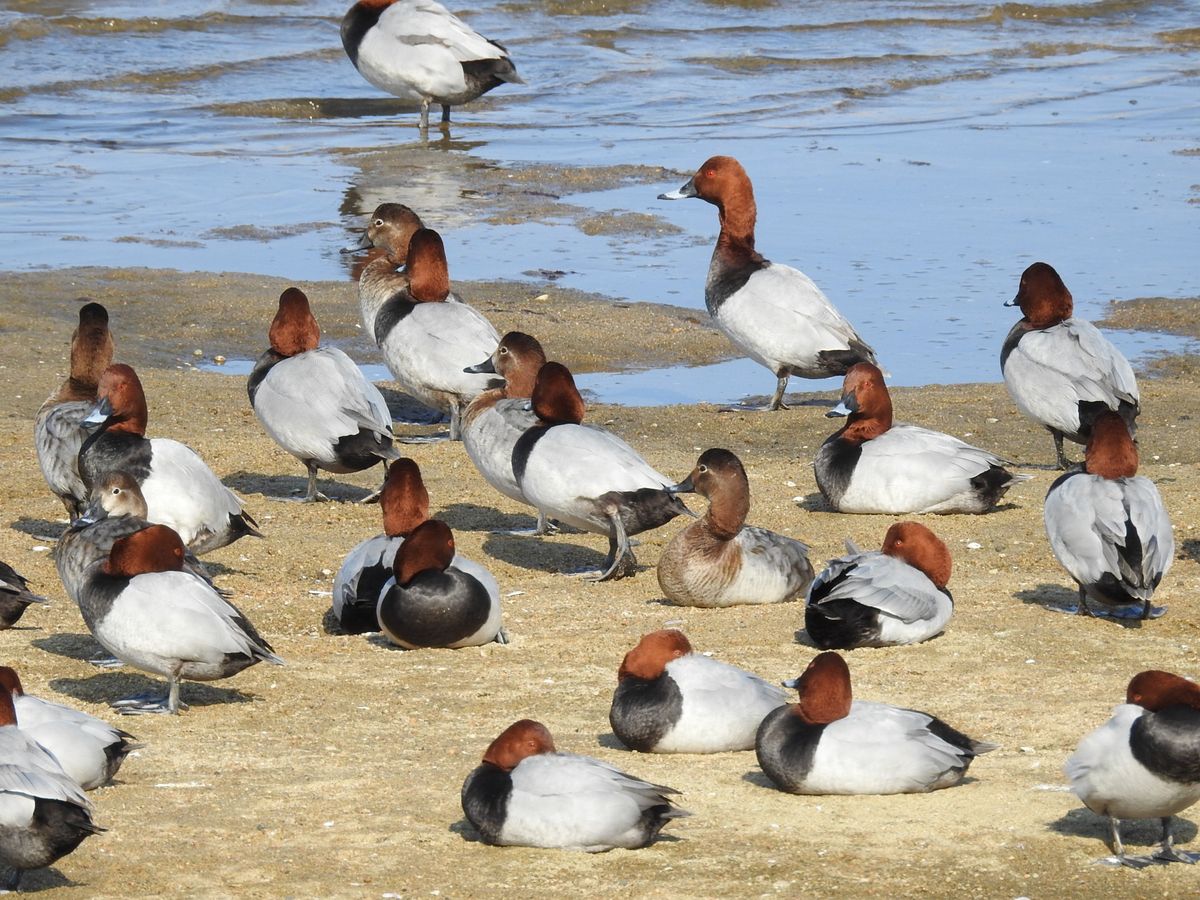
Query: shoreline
x=339, y=774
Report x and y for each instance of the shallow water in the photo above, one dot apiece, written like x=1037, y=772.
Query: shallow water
x=912, y=157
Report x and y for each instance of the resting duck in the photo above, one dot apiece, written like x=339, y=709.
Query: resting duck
x=429, y=337
x=368, y=567
x=117, y=510
x=672, y=700
x=873, y=466
x=498, y=417
x=829, y=744
x=180, y=490
x=527, y=794
x=149, y=612
x=1107, y=525
x=437, y=598
x=586, y=476
x=1143, y=763
x=15, y=596
x=314, y=401
x=57, y=431
x=418, y=50
x=773, y=313
x=720, y=560
x=44, y=814
x=881, y=598
x=1060, y=370
x=89, y=749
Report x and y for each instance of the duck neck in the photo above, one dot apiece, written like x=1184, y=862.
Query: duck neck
x=378, y=283
x=867, y=426
x=727, y=511
x=735, y=243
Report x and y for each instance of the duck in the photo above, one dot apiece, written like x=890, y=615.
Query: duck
x=528, y=794
x=419, y=50
x=428, y=336
x=404, y=502
x=144, y=607
x=1060, y=371
x=719, y=560
x=57, y=430
x=314, y=401
x=88, y=749
x=496, y=419
x=15, y=596
x=1108, y=526
x=389, y=230
x=883, y=598
x=179, y=488
x=773, y=313
x=670, y=699
x=874, y=466
x=586, y=476
x=829, y=743
x=1142, y=763
x=117, y=509
x=44, y=814
x=435, y=597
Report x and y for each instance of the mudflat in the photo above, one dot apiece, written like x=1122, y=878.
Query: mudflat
x=339, y=775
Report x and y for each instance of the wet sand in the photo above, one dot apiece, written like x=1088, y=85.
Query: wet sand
x=339, y=775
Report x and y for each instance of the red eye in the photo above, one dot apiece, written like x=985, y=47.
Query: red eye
x=711, y=172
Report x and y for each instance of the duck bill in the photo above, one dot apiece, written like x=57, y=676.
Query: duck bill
x=487, y=367
x=791, y=683
x=90, y=516
x=684, y=487
x=364, y=243
x=846, y=406
x=1013, y=302
x=688, y=190
x=98, y=415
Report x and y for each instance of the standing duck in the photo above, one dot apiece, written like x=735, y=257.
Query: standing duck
x=429, y=337
x=437, y=598
x=369, y=566
x=44, y=814
x=1061, y=371
x=89, y=749
x=498, y=417
x=57, y=430
x=719, y=560
x=148, y=611
x=882, y=598
x=829, y=743
x=1107, y=525
x=15, y=596
x=672, y=700
x=775, y=314
x=180, y=489
x=314, y=401
x=528, y=794
x=586, y=476
x=418, y=50
x=874, y=466
x=1144, y=762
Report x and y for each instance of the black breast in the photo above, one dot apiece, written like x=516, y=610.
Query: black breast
x=1015, y=334
x=523, y=447
x=1167, y=743
x=264, y=365
x=436, y=609
x=485, y=796
x=114, y=451
x=644, y=710
x=726, y=278
x=834, y=467
x=357, y=22
x=786, y=746
x=394, y=310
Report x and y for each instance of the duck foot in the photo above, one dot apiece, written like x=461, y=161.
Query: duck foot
x=147, y=704
x=501, y=637
x=106, y=662
x=424, y=438
x=1130, y=862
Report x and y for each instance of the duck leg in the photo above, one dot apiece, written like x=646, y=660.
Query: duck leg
x=1060, y=456
x=777, y=397
x=445, y=113
x=455, y=421
x=146, y=704
x=1084, y=609
x=620, y=561
x=13, y=881
x=1168, y=853
x=312, y=495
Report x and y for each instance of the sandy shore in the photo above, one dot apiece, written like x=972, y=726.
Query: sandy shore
x=339, y=775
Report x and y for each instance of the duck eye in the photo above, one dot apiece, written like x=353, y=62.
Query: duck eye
x=703, y=469
x=503, y=350
x=711, y=173
x=379, y=223
x=116, y=491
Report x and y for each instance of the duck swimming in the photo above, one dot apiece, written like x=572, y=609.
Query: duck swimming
x=314, y=401
x=896, y=595
x=875, y=466
x=528, y=794
x=418, y=50
x=719, y=560
x=1059, y=370
x=775, y=314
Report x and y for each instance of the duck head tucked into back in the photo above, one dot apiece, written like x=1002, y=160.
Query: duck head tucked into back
x=648, y=660
x=555, y=399
x=403, y=499
x=1156, y=690
x=156, y=548
x=1043, y=297
x=921, y=549
x=430, y=547
x=1111, y=451
x=824, y=687
x=294, y=329
x=428, y=273
x=520, y=740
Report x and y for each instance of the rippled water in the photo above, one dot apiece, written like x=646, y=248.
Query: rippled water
x=912, y=157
